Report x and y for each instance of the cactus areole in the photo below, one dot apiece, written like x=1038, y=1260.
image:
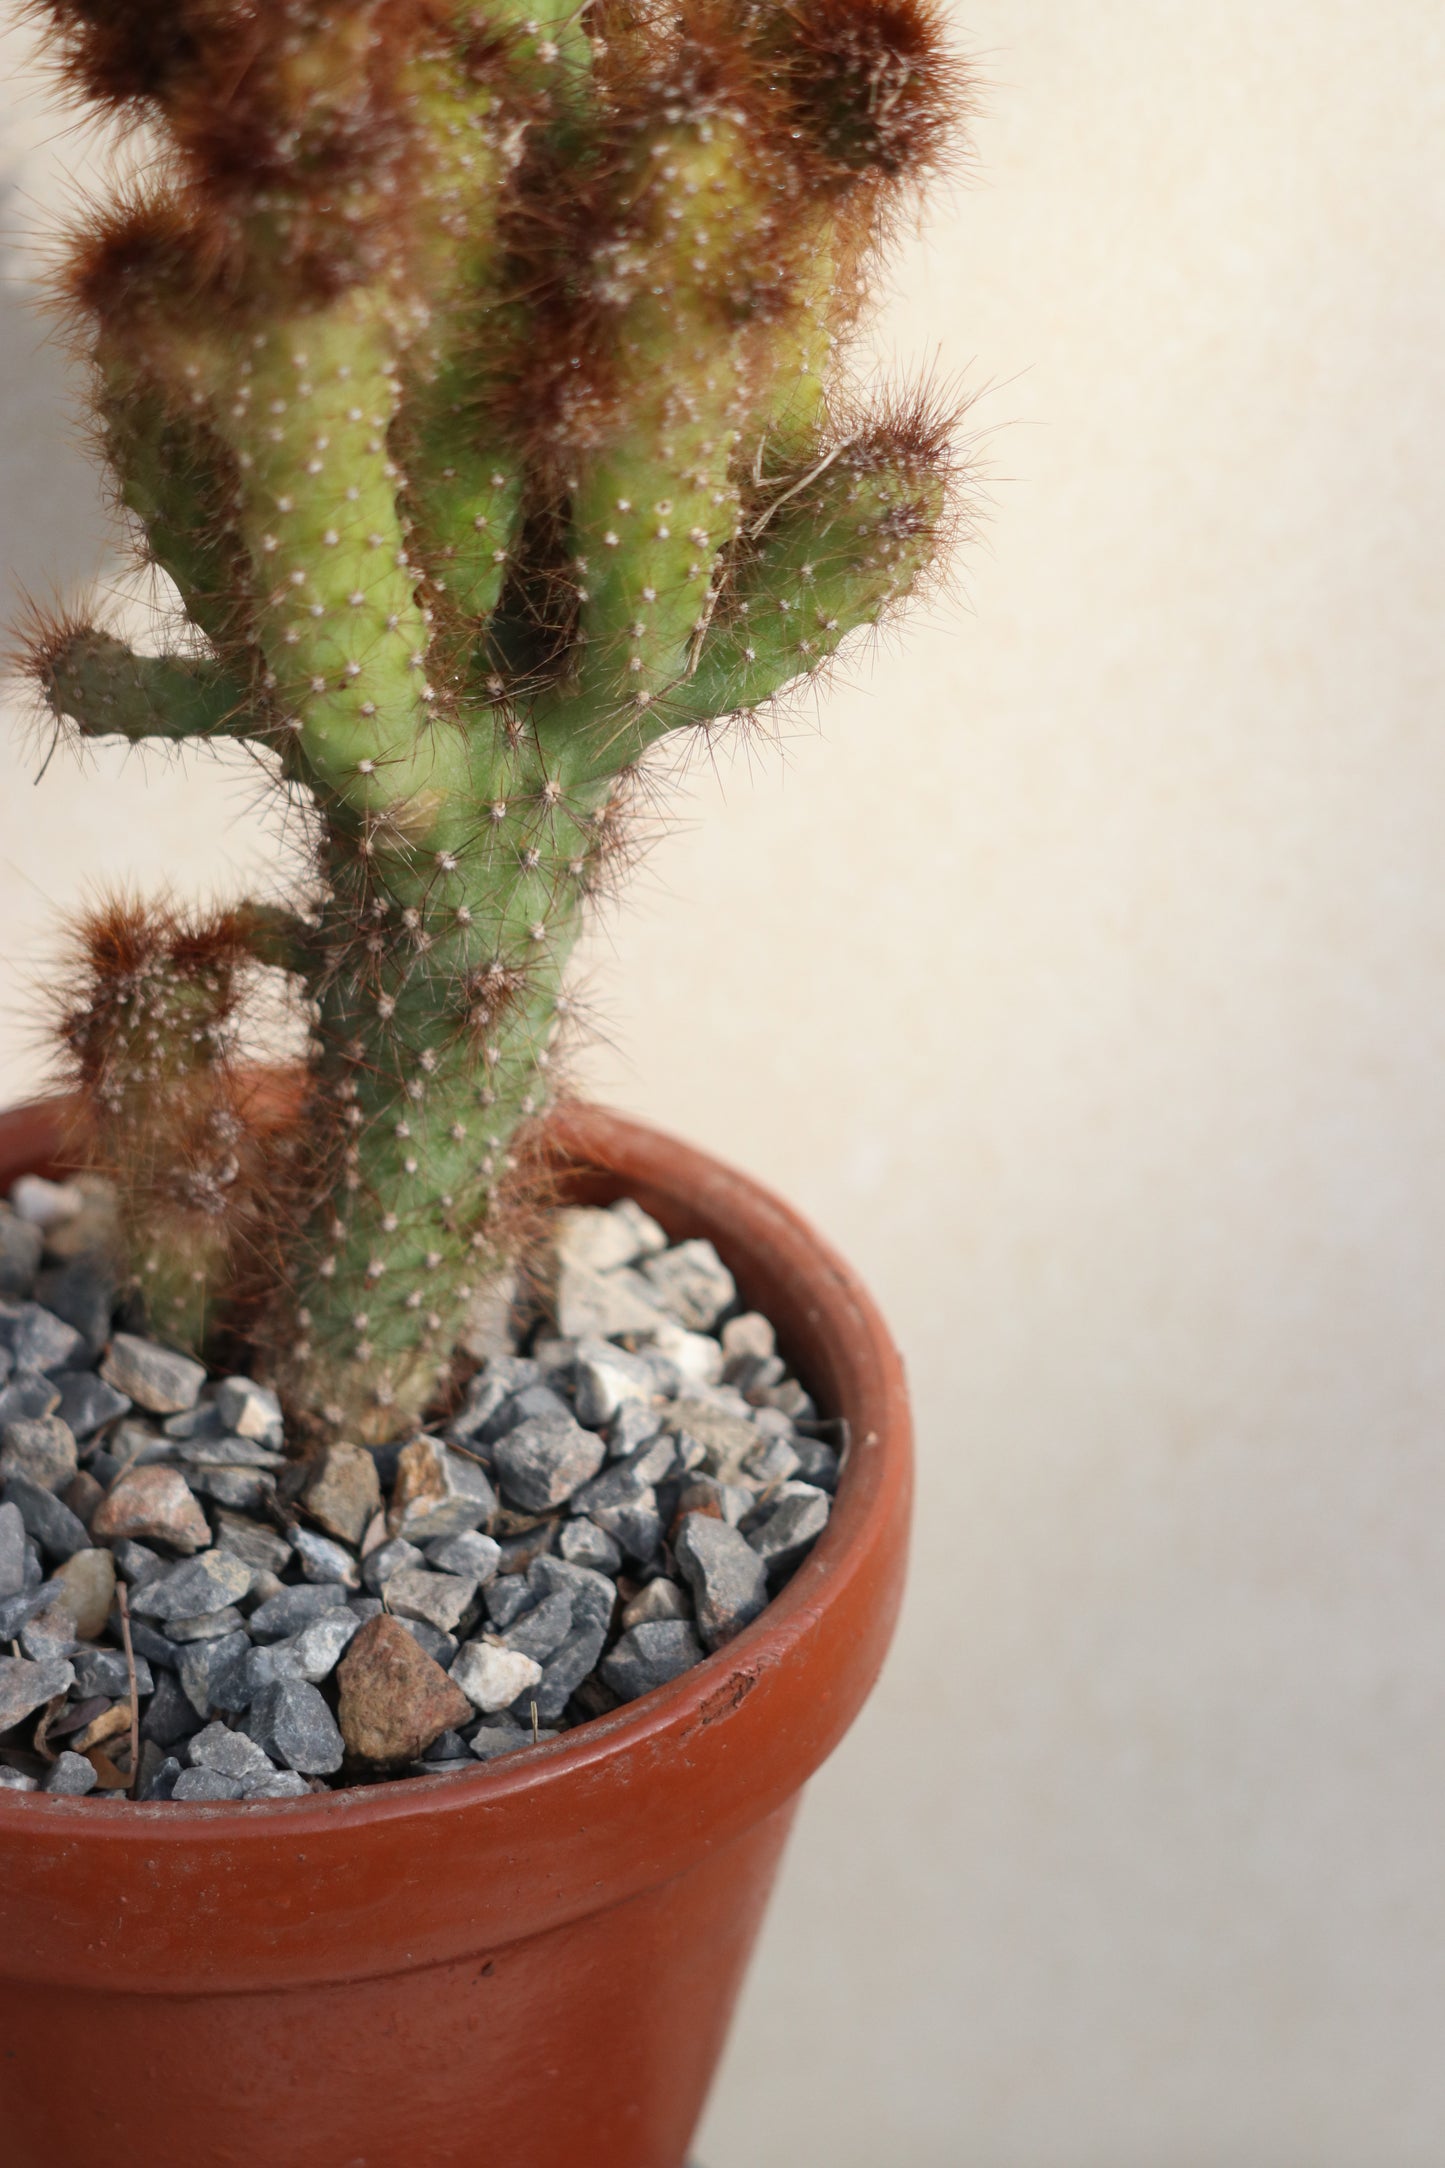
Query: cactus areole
x=476, y=377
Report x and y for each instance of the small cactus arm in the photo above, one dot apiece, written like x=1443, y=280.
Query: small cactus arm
x=473, y=375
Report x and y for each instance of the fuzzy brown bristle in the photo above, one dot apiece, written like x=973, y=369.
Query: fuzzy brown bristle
x=872, y=83
x=122, y=54
x=152, y=247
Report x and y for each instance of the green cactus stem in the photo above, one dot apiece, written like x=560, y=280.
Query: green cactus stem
x=473, y=375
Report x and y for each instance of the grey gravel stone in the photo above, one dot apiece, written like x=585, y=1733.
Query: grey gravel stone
x=660, y=1599
x=231, y=1753
x=541, y=1402
x=729, y=1581
x=314, y=1652
x=470, y=1554
x=203, y=1663
x=542, y=1630
x=448, y=1746
x=82, y=1294
x=189, y=1590
x=295, y=1608
x=621, y=1480
x=649, y=1655
x=634, y=1423
x=87, y=1403
x=592, y=1305
x=12, y=1551
x=542, y=1461
x=437, y=1492
x=491, y=1677
x=17, y=1609
x=42, y=1447
x=154, y=1377
x=784, y=1539
x=28, y=1393
x=103, y=1671
x=633, y=1522
x=71, y=1777
x=55, y=1528
x=156, y=1647
x=241, y=1490
x=818, y=1463
x=136, y=1563
x=292, y=1722
x=159, y=1780
x=249, y=1410
x=322, y=1560
x=489, y=1742
x=585, y=1544
x=15, y=1780
x=789, y=1398
x=137, y=1445
x=282, y=1784
x=262, y=1548
x=205, y=1784
x=593, y=1599
x=388, y=1558
x=442, y=1599
x=207, y=1626
x=507, y=1599
x=771, y=1461
x=26, y=1686
x=21, y=1242
x=229, y=1452
x=37, y=1338
x=604, y=1378
x=169, y=1717
x=49, y=1632
x=494, y=1384
x=440, y=1647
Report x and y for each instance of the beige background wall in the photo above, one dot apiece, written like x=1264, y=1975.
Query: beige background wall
x=1084, y=980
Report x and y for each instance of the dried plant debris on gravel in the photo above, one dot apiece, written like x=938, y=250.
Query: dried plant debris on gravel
x=192, y=1612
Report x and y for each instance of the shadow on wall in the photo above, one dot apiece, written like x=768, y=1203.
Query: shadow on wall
x=54, y=525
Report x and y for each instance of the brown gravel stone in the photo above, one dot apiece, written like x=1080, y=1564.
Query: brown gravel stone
x=394, y=1700
x=343, y=1491
x=151, y=1505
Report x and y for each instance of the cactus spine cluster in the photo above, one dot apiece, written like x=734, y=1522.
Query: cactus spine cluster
x=471, y=374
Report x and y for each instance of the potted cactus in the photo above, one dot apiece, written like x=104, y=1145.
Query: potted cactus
x=473, y=376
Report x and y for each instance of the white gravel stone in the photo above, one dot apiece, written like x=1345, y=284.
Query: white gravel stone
x=600, y=1305
x=45, y=1204
x=603, y=1239
x=492, y=1677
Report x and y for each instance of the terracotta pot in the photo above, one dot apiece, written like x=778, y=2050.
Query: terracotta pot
x=534, y=1965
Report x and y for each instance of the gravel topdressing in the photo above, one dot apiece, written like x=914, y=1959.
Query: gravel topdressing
x=606, y=1506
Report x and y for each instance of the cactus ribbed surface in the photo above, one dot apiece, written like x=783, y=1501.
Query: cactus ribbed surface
x=473, y=373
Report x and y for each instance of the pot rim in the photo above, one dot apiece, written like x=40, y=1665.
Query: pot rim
x=615, y=1152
